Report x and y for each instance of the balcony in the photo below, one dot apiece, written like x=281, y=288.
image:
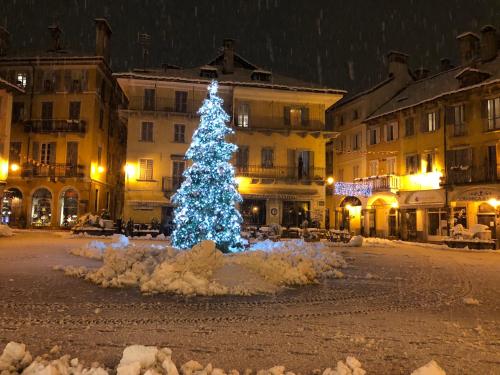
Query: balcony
x=286, y=174
x=458, y=175
x=381, y=183
x=55, y=126
x=277, y=123
x=139, y=103
x=169, y=185
x=30, y=170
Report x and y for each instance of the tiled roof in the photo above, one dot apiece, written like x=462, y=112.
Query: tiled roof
x=436, y=86
x=242, y=76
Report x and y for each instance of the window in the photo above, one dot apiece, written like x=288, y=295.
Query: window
x=145, y=169
x=430, y=123
x=178, y=167
x=15, y=152
x=412, y=164
x=179, y=133
x=267, y=157
x=72, y=153
x=460, y=216
x=147, y=132
x=455, y=116
x=296, y=116
x=18, y=112
x=181, y=101
x=242, y=158
x=409, y=126
x=428, y=162
x=493, y=109
x=356, y=141
x=99, y=155
x=149, y=99
x=341, y=120
x=243, y=113
x=436, y=222
x=47, y=110
x=391, y=165
x=21, y=79
x=74, y=110
x=101, y=118
x=355, y=114
x=47, y=153
x=373, y=167
x=48, y=85
x=340, y=175
x=374, y=136
x=355, y=171
x=391, y=132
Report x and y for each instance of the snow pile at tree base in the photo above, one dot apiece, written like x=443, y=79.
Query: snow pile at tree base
x=204, y=270
x=5, y=231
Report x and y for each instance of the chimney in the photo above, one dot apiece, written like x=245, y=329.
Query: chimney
x=445, y=64
x=489, y=44
x=421, y=73
x=102, y=36
x=397, y=63
x=4, y=41
x=228, y=64
x=55, y=34
x=468, y=44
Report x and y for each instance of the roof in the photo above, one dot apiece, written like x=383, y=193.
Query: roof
x=10, y=86
x=436, y=86
x=348, y=99
x=242, y=76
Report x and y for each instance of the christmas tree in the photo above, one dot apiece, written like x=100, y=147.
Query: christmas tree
x=205, y=202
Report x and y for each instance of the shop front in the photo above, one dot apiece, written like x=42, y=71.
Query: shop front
x=477, y=205
x=423, y=215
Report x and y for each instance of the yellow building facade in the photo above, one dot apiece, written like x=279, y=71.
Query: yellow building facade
x=279, y=126
x=7, y=91
x=67, y=146
x=432, y=151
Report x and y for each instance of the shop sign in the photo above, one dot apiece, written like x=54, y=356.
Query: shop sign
x=479, y=194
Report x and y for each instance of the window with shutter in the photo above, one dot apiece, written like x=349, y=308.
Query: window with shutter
x=267, y=156
x=147, y=132
x=286, y=115
x=179, y=133
x=145, y=169
x=409, y=126
x=74, y=110
x=304, y=116
x=181, y=101
x=15, y=152
x=149, y=99
x=242, y=158
x=295, y=116
x=373, y=167
x=493, y=113
x=243, y=115
x=72, y=153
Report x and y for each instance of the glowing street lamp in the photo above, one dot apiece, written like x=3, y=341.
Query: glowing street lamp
x=330, y=180
x=14, y=167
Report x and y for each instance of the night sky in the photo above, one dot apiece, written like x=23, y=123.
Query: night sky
x=341, y=44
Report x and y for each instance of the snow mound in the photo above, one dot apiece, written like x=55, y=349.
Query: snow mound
x=15, y=359
x=5, y=231
x=95, y=249
x=204, y=270
x=356, y=241
x=431, y=368
x=471, y=301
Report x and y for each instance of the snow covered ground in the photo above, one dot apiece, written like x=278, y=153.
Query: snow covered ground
x=395, y=309
x=203, y=270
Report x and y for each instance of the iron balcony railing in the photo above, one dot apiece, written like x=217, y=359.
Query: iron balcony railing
x=55, y=126
x=169, y=185
x=291, y=174
x=388, y=182
x=53, y=170
x=464, y=174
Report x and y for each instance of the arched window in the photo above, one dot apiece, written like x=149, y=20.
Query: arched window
x=41, y=208
x=12, y=207
x=69, y=208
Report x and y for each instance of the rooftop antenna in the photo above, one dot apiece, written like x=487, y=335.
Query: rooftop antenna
x=144, y=40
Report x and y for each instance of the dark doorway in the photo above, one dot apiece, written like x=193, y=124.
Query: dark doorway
x=167, y=220
x=295, y=213
x=253, y=211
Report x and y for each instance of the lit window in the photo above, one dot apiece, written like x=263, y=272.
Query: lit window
x=412, y=164
x=493, y=113
x=431, y=122
x=22, y=79
x=243, y=115
x=391, y=132
x=391, y=165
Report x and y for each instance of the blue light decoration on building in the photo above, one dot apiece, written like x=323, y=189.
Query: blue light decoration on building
x=353, y=189
x=206, y=201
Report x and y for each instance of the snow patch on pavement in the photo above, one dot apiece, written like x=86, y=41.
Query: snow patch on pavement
x=5, y=231
x=204, y=270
